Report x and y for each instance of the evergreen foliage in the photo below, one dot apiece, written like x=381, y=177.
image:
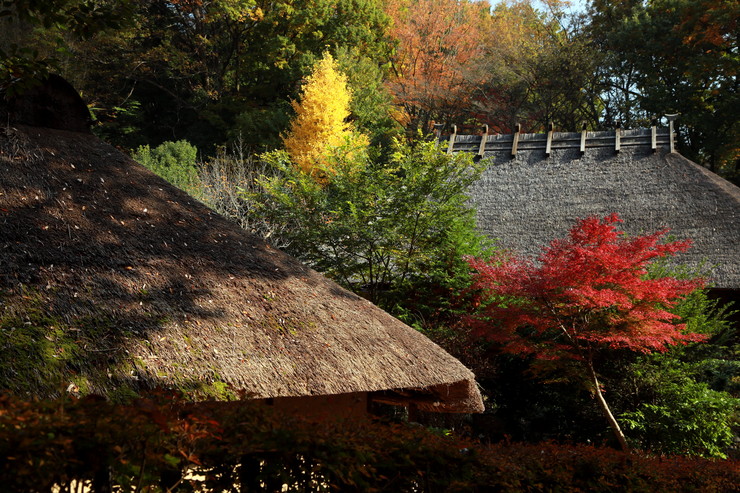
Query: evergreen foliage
x=34, y=35
x=686, y=400
x=677, y=414
x=675, y=56
x=173, y=161
x=371, y=104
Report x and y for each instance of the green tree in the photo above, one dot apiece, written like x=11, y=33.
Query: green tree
x=217, y=71
x=372, y=105
x=169, y=75
x=675, y=56
x=34, y=34
x=377, y=228
x=686, y=400
x=204, y=71
x=677, y=414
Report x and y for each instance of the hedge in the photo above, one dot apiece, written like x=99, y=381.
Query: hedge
x=162, y=443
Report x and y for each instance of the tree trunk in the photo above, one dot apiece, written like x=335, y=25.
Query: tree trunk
x=605, y=409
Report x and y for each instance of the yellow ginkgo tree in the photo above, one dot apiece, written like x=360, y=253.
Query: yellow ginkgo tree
x=320, y=128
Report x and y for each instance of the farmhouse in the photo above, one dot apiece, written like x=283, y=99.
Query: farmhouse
x=537, y=185
x=113, y=281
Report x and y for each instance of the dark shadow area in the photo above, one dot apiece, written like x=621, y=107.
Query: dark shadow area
x=51, y=103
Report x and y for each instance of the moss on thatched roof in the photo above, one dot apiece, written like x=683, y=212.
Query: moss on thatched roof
x=529, y=199
x=113, y=280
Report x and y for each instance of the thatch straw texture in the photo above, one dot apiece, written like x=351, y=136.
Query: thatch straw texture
x=184, y=297
x=528, y=200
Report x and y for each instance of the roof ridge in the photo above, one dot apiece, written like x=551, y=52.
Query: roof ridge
x=653, y=138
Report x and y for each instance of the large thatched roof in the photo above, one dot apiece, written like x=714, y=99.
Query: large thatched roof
x=114, y=279
x=528, y=199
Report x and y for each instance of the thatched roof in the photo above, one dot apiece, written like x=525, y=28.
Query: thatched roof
x=529, y=199
x=132, y=283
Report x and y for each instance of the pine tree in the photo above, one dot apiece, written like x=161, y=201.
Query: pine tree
x=320, y=126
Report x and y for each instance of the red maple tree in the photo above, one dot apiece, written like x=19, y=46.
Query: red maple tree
x=584, y=294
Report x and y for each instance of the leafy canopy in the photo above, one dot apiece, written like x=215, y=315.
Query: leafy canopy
x=678, y=414
x=173, y=161
x=375, y=227
x=436, y=64
x=35, y=33
x=676, y=56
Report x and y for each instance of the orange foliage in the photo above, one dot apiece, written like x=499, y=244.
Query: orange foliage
x=712, y=23
x=439, y=57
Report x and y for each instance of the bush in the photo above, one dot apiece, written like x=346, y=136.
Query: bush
x=173, y=161
x=685, y=417
x=162, y=443
x=227, y=181
x=685, y=400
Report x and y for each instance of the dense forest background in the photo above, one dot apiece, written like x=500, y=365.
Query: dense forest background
x=205, y=92
x=213, y=71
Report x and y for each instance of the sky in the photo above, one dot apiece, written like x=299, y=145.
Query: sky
x=576, y=6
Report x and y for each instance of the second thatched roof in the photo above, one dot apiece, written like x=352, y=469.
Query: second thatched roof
x=528, y=198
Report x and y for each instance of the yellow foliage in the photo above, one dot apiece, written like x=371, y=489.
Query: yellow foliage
x=320, y=126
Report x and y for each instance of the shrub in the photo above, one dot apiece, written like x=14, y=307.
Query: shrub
x=162, y=443
x=173, y=161
x=684, y=417
x=227, y=181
